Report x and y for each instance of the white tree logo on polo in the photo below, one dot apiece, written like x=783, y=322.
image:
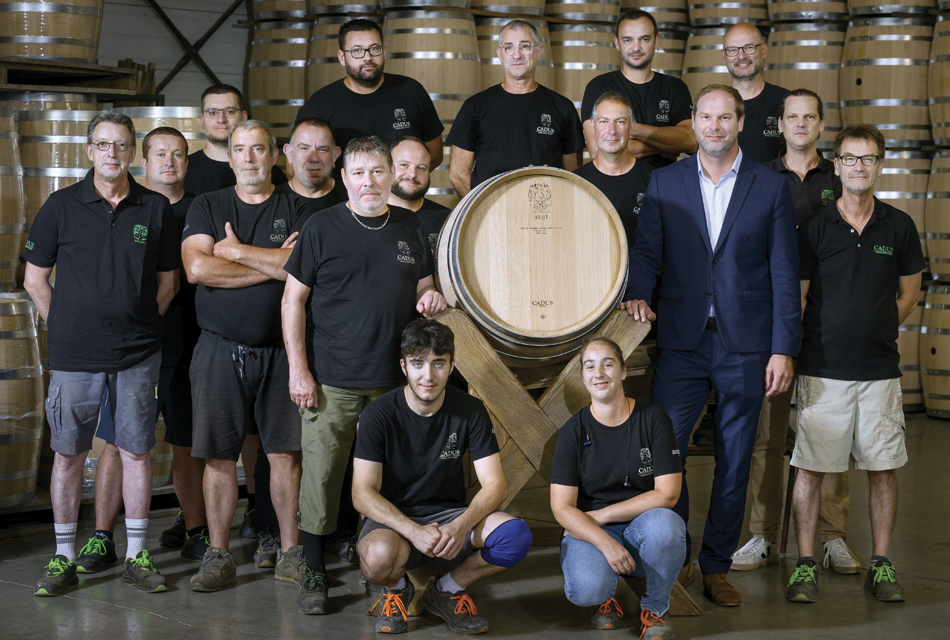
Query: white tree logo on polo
x=140, y=233
x=405, y=253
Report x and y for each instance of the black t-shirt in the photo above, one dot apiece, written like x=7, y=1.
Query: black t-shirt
x=509, y=131
x=820, y=188
x=205, y=175
x=336, y=195
x=664, y=101
x=625, y=192
x=248, y=315
x=423, y=469
x=399, y=107
x=851, y=323
x=639, y=450
x=181, y=322
x=103, y=316
x=760, y=137
x=364, y=284
x=433, y=215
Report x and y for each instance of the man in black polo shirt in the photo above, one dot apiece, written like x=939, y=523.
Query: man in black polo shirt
x=368, y=102
x=662, y=125
x=744, y=53
x=620, y=175
x=860, y=268
x=410, y=183
x=312, y=152
x=115, y=246
x=516, y=123
x=236, y=242
x=369, y=269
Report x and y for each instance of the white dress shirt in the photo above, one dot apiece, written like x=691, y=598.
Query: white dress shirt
x=716, y=199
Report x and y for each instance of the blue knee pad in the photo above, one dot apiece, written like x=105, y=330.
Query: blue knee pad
x=508, y=544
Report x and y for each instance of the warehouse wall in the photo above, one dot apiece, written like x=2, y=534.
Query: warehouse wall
x=130, y=29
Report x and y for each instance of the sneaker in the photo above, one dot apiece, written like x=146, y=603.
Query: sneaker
x=393, y=616
x=60, y=576
x=756, y=553
x=882, y=582
x=174, y=536
x=141, y=572
x=96, y=555
x=457, y=610
x=655, y=627
x=312, y=596
x=268, y=547
x=217, y=569
x=291, y=565
x=344, y=549
x=605, y=616
x=803, y=586
x=194, y=547
x=249, y=526
x=839, y=556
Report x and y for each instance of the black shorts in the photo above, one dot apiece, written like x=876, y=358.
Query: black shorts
x=236, y=389
x=416, y=558
x=174, y=403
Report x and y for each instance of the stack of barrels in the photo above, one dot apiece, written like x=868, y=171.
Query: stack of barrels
x=65, y=30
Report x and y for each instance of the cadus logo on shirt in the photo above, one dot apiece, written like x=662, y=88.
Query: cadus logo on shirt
x=29, y=245
x=771, y=127
x=664, y=114
x=827, y=196
x=636, y=209
x=546, y=127
x=449, y=451
x=646, y=459
x=401, y=122
x=140, y=233
x=280, y=231
x=405, y=253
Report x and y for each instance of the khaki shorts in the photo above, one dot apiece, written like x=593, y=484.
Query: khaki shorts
x=838, y=419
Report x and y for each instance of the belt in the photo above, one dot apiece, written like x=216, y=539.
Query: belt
x=711, y=324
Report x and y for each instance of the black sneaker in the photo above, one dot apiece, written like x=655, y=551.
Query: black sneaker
x=175, y=535
x=96, y=555
x=457, y=610
x=605, y=616
x=193, y=550
x=344, y=549
x=393, y=614
x=141, y=572
x=291, y=565
x=60, y=576
x=882, y=582
x=249, y=526
x=268, y=547
x=655, y=627
x=217, y=570
x=312, y=596
x=803, y=586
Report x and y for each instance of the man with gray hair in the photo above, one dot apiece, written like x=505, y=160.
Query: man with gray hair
x=370, y=270
x=115, y=247
x=234, y=247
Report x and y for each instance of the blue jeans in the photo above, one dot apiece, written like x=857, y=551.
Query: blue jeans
x=657, y=541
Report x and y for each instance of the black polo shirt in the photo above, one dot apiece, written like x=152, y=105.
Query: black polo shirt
x=103, y=316
x=850, y=325
x=820, y=187
x=760, y=137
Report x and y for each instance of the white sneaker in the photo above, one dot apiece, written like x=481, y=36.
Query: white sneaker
x=756, y=553
x=840, y=557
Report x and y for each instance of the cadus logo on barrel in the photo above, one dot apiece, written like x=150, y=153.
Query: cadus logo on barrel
x=539, y=195
x=664, y=114
x=546, y=127
x=771, y=127
x=140, y=233
x=400, y=116
x=405, y=254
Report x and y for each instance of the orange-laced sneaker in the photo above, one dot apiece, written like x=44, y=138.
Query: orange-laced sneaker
x=655, y=627
x=461, y=616
x=606, y=615
x=394, y=613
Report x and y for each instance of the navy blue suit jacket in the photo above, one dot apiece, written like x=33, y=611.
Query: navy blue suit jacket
x=752, y=277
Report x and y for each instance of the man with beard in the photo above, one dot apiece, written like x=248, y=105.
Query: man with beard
x=369, y=270
x=661, y=103
x=744, y=53
x=312, y=153
x=717, y=230
x=236, y=242
x=411, y=181
x=368, y=102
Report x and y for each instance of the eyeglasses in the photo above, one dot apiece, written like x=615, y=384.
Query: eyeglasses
x=749, y=49
x=230, y=112
x=359, y=52
x=867, y=161
x=524, y=48
x=120, y=146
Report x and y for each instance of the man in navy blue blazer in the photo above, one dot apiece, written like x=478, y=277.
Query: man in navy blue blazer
x=717, y=232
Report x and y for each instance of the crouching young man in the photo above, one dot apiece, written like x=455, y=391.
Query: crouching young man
x=409, y=482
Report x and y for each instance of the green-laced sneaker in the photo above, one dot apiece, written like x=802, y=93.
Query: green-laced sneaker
x=268, y=546
x=803, y=587
x=175, y=535
x=193, y=550
x=882, y=582
x=97, y=555
x=60, y=576
x=291, y=565
x=141, y=572
x=312, y=596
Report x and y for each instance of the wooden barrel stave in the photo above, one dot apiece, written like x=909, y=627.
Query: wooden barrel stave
x=340, y=7
x=593, y=11
x=903, y=184
x=935, y=351
x=702, y=60
x=938, y=83
x=908, y=345
x=580, y=54
x=806, y=11
x=670, y=15
x=66, y=30
x=668, y=58
x=711, y=14
x=520, y=8
x=277, y=74
x=874, y=8
x=937, y=217
x=48, y=101
x=12, y=217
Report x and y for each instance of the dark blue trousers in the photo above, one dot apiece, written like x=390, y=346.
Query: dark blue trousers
x=681, y=386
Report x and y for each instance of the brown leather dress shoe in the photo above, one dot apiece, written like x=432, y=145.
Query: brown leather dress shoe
x=716, y=587
x=686, y=576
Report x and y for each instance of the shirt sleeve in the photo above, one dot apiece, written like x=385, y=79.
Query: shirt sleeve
x=463, y=134
x=371, y=438
x=595, y=88
x=911, y=259
x=169, y=256
x=682, y=107
x=42, y=246
x=564, y=469
x=665, y=450
x=302, y=261
x=198, y=220
x=808, y=261
x=481, y=437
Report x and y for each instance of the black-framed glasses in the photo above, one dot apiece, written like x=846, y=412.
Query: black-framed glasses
x=749, y=49
x=358, y=52
x=523, y=47
x=120, y=145
x=867, y=161
x=230, y=112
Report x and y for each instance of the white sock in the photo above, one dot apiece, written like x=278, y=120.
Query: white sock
x=447, y=585
x=135, y=530
x=66, y=540
x=399, y=586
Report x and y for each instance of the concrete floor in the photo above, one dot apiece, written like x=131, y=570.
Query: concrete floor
x=526, y=601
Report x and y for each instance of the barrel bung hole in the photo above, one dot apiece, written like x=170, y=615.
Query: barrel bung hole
x=933, y=351
x=858, y=81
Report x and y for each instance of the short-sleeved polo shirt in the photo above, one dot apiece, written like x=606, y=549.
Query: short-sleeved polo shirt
x=851, y=322
x=103, y=315
x=820, y=187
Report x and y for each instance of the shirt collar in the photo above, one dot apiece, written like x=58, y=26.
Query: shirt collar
x=824, y=165
x=734, y=169
x=89, y=193
x=880, y=211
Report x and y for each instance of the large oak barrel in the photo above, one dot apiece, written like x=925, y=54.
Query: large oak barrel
x=591, y=11
x=669, y=14
x=538, y=258
x=277, y=73
x=12, y=217
x=279, y=9
x=668, y=57
x=937, y=217
x=710, y=14
x=702, y=60
x=323, y=66
x=938, y=83
x=581, y=52
x=520, y=8
x=883, y=78
x=62, y=30
x=161, y=458
x=21, y=402
x=872, y=7
x=48, y=101
x=434, y=4
x=339, y=7
x=806, y=10
x=935, y=351
x=488, y=29
x=144, y=119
